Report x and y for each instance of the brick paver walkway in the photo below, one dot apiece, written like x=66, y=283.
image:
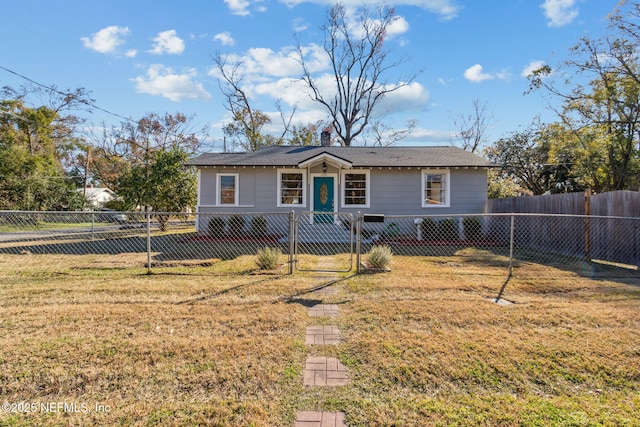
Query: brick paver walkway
x=320, y=419
x=322, y=335
x=324, y=310
x=324, y=371
x=327, y=290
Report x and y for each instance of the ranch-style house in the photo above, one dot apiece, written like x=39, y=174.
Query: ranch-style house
x=422, y=181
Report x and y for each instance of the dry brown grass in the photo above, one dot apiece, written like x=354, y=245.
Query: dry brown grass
x=212, y=344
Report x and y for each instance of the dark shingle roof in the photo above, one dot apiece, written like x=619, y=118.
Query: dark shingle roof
x=357, y=156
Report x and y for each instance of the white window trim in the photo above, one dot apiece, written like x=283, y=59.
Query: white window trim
x=447, y=178
x=343, y=185
x=304, y=188
x=236, y=195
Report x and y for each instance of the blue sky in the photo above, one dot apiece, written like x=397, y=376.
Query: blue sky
x=143, y=56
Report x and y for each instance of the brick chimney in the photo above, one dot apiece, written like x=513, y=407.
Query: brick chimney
x=325, y=137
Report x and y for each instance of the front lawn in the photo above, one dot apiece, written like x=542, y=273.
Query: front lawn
x=213, y=344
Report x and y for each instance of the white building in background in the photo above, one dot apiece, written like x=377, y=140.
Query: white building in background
x=97, y=198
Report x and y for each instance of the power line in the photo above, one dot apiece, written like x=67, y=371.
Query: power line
x=53, y=89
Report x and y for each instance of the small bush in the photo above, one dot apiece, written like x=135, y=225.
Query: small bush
x=472, y=228
x=236, y=224
x=448, y=229
x=429, y=229
x=379, y=256
x=391, y=231
x=258, y=226
x=267, y=258
x=216, y=226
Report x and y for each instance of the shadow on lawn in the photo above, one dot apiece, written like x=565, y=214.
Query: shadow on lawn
x=166, y=247
x=192, y=301
x=189, y=246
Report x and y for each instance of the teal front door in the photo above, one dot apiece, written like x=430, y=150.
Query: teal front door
x=323, y=198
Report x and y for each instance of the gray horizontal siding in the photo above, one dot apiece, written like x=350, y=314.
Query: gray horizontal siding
x=393, y=192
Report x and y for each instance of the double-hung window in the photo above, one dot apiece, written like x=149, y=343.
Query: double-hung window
x=435, y=188
x=291, y=187
x=227, y=189
x=355, y=189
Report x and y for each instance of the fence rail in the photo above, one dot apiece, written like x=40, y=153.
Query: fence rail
x=164, y=238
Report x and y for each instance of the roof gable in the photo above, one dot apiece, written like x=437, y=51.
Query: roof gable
x=326, y=157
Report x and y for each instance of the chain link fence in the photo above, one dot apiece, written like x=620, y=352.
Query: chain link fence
x=316, y=241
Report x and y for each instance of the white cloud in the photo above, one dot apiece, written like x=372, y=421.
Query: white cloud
x=430, y=135
x=295, y=92
x=559, y=12
x=107, y=39
x=277, y=64
x=406, y=98
x=475, y=74
x=316, y=58
x=238, y=7
x=503, y=75
x=399, y=26
x=447, y=9
x=224, y=38
x=163, y=81
x=168, y=42
x=299, y=25
x=131, y=53
x=263, y=64
x=533, y=66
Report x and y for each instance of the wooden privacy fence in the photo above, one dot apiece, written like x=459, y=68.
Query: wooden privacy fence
x=614, y=203
x=601, y=226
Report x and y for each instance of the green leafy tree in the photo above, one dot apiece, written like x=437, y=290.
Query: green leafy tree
x=144, y=161
x=246, y=130
x=601, y=107
x=133, y=145
x=304, y=135
x=165, y=184
x=502, y=186
x=31, y=146
x=575, y=162
x=522, y=159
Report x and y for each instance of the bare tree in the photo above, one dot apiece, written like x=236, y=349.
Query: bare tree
x=247, y=123
x=471, y=129
x=359, y=62
x=384, y=135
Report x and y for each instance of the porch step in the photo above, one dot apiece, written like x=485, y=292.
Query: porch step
x=323, y=233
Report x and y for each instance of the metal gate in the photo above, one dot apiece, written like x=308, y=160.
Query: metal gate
x=324, y=241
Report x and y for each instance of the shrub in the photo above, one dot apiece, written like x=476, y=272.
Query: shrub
x=429, y=229
x=448, y=229
x=379, y=256
x=258, y=226
x=236, y=224
x=267, y=258
x=391, y=231
x=216, y=226
x=472, y=228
